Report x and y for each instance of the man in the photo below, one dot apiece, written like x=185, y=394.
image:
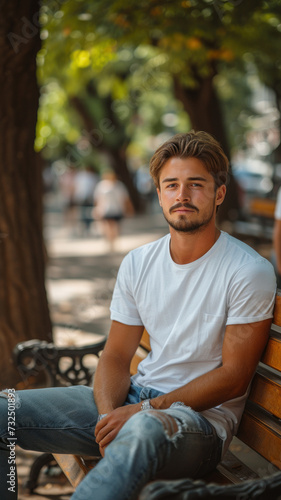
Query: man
x=206, y=300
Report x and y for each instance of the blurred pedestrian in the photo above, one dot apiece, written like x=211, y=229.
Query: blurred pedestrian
x=85, y=184
x=277, y=238
x=67, y=188
x=145, y=187
x=112, y=204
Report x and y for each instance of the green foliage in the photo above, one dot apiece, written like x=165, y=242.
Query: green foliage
x=128, y=51
x=124, y=84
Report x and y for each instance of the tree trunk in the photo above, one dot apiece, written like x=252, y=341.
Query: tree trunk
x=203, y=108
x=24, y=312
x=116, y=154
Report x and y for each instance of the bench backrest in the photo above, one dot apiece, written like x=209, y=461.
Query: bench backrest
x=141, y=352
x=260, y=427
x=262, y=207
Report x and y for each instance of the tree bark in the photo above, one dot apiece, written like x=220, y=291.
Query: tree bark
x=116, y=155
x=203, y=107
x=24, y=312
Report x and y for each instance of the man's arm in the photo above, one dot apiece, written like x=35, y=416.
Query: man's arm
x=277, y=243
x=112, y=380
x=242, y=348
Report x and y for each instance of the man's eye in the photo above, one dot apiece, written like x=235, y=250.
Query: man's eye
x=195, y=184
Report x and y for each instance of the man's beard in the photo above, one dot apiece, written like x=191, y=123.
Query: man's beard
x=184, y=225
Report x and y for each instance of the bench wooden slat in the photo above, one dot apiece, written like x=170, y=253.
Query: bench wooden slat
x=141, y=353
x=272, y=354
x=264, y=207
x=73, y=467
x=135, y=362
x=145, y=342
x=277, y=310
x=258, y=431
x=266, y=392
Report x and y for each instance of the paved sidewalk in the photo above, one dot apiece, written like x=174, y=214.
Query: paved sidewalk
x=82, y=270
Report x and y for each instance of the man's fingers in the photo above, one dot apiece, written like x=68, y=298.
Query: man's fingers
x=102, y=450
x=101, y=433
x=108, y=427
x=108, y=438
x=100, y=425
x=107, y=433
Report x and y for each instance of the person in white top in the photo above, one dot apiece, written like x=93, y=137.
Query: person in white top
x=206, y=301
x=112, y=203
x=86, y=181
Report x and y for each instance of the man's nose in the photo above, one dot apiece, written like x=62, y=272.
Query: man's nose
x=183, y=193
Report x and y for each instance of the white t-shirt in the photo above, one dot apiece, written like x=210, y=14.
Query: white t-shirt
x=185, y=309
x=277, y=213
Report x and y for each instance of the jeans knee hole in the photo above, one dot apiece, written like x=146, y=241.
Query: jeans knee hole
x=169, y=423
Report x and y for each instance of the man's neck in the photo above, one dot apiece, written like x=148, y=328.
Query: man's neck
x=188, y=247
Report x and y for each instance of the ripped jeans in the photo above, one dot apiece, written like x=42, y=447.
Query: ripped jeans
x=168, y=444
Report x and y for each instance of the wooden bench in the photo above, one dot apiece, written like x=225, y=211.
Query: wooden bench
x=62, y=365
x=260, y=220
x=260, y=427
x=262, y=207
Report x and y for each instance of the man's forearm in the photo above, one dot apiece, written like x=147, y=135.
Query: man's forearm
x=242, y=348
x=202, y=393
x=111, y=383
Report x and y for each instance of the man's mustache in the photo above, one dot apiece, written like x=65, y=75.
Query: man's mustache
x=185, y=205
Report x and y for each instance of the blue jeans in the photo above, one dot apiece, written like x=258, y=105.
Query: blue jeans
x=62, y=420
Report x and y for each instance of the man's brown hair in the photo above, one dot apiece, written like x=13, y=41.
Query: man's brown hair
x=200, y=145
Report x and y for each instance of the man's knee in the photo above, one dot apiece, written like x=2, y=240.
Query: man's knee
x=151, y=422
x=169, y=423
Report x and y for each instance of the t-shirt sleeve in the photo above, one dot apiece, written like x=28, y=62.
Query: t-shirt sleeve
x=277, y=213
x=123, y=307
x=251, y=294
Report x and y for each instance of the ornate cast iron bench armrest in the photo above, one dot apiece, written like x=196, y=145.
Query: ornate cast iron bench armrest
x=63, y=365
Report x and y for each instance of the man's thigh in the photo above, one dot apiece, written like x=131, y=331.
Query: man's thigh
x=195, y=447
x=55, y=420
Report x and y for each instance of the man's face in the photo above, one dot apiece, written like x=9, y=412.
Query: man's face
x=187, y=194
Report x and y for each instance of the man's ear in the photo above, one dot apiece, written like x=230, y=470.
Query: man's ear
x=220, y=194
x=159, y=197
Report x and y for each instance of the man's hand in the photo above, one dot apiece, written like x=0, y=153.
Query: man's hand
x=109, y=426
